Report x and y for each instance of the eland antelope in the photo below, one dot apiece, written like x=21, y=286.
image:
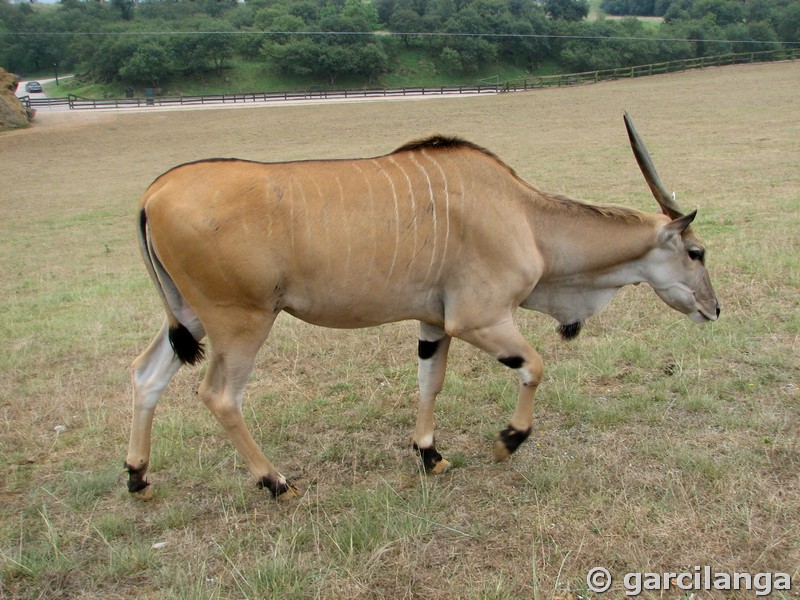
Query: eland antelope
x=440, y=231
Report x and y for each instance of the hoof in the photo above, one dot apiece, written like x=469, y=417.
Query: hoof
x=138, y=487
x=144, y=494
x=280, y=488
x=432, y=461
x=507, y=442
x=499, y=451
x=290, y=493
x=440, y=467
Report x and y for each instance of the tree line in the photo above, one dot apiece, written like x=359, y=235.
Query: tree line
x=149, y=42
x=737, y=21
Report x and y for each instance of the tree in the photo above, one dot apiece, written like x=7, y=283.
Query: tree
x=629, y=7
x=125, y=8
x=150, y=63
x=660, y=7
x=307, y=12
x=279, y=26
x=566, y=10
x=368, y=60
x=699, y=33
x=219, y=48
x=438, y=12
x=405, y=21
x=297, y=57
x=759, y=10
x=110, y=56
x=751, y=37
x=677, y=11
x=789, y=23
x=385, y=9
x=451, y=60
x=206, y=49
x=720, y=12
x=250, y=45
x=474, y=50
x=353, y=16
x=326, y=57
x=522, y=8
x=34, y=52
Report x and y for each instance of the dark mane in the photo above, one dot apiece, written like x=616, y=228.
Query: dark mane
x=445, y=142
x=552, y=202
x=565, y=205
x=439, y=141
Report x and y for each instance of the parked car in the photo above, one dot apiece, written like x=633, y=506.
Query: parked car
x=33, y=86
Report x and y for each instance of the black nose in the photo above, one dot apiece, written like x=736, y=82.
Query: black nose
x=718, y=309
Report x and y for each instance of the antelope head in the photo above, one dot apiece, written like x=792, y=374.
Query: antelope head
x=678, y=274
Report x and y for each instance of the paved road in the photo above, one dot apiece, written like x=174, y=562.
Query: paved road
x=212, y=105
x=21, y=92
x=21, y=88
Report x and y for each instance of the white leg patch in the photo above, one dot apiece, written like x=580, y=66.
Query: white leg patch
x=525, y=376
x=426, y=441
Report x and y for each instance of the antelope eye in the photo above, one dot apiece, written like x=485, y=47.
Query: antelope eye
x=697, y=255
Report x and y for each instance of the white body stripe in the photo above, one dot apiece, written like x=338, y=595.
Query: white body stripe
x=386, y=176
x=432, y=200
x=446, y=190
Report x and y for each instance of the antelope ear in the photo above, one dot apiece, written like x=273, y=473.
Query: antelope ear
x=679, y=225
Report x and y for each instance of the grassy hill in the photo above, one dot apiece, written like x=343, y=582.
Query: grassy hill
x=414, y=67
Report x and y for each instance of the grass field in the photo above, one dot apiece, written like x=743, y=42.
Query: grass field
x=659, y=445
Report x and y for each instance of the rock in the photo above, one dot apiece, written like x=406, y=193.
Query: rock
x=12, y=114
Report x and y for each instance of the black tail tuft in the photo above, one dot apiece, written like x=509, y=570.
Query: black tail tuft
x=187, y=349
x=571, y=330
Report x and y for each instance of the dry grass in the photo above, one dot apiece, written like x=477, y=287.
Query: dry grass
x=659, y=445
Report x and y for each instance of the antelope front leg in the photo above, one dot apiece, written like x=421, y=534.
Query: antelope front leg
x=530, y=372
x=506, y=344
x=432, y=350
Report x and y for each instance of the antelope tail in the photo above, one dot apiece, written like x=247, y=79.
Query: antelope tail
x=186, y=347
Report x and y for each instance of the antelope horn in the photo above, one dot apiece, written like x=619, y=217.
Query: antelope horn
x=665, y=200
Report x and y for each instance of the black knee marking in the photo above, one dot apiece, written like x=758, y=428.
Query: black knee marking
x=430, y=457
x=276, y=487
x=136, y=480
x=512, y=438
x=570, y=331
x=512, y=362
x=427, y=349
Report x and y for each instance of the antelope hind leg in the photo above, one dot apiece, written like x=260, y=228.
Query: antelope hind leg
x=222, y=391
x=151, y=372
